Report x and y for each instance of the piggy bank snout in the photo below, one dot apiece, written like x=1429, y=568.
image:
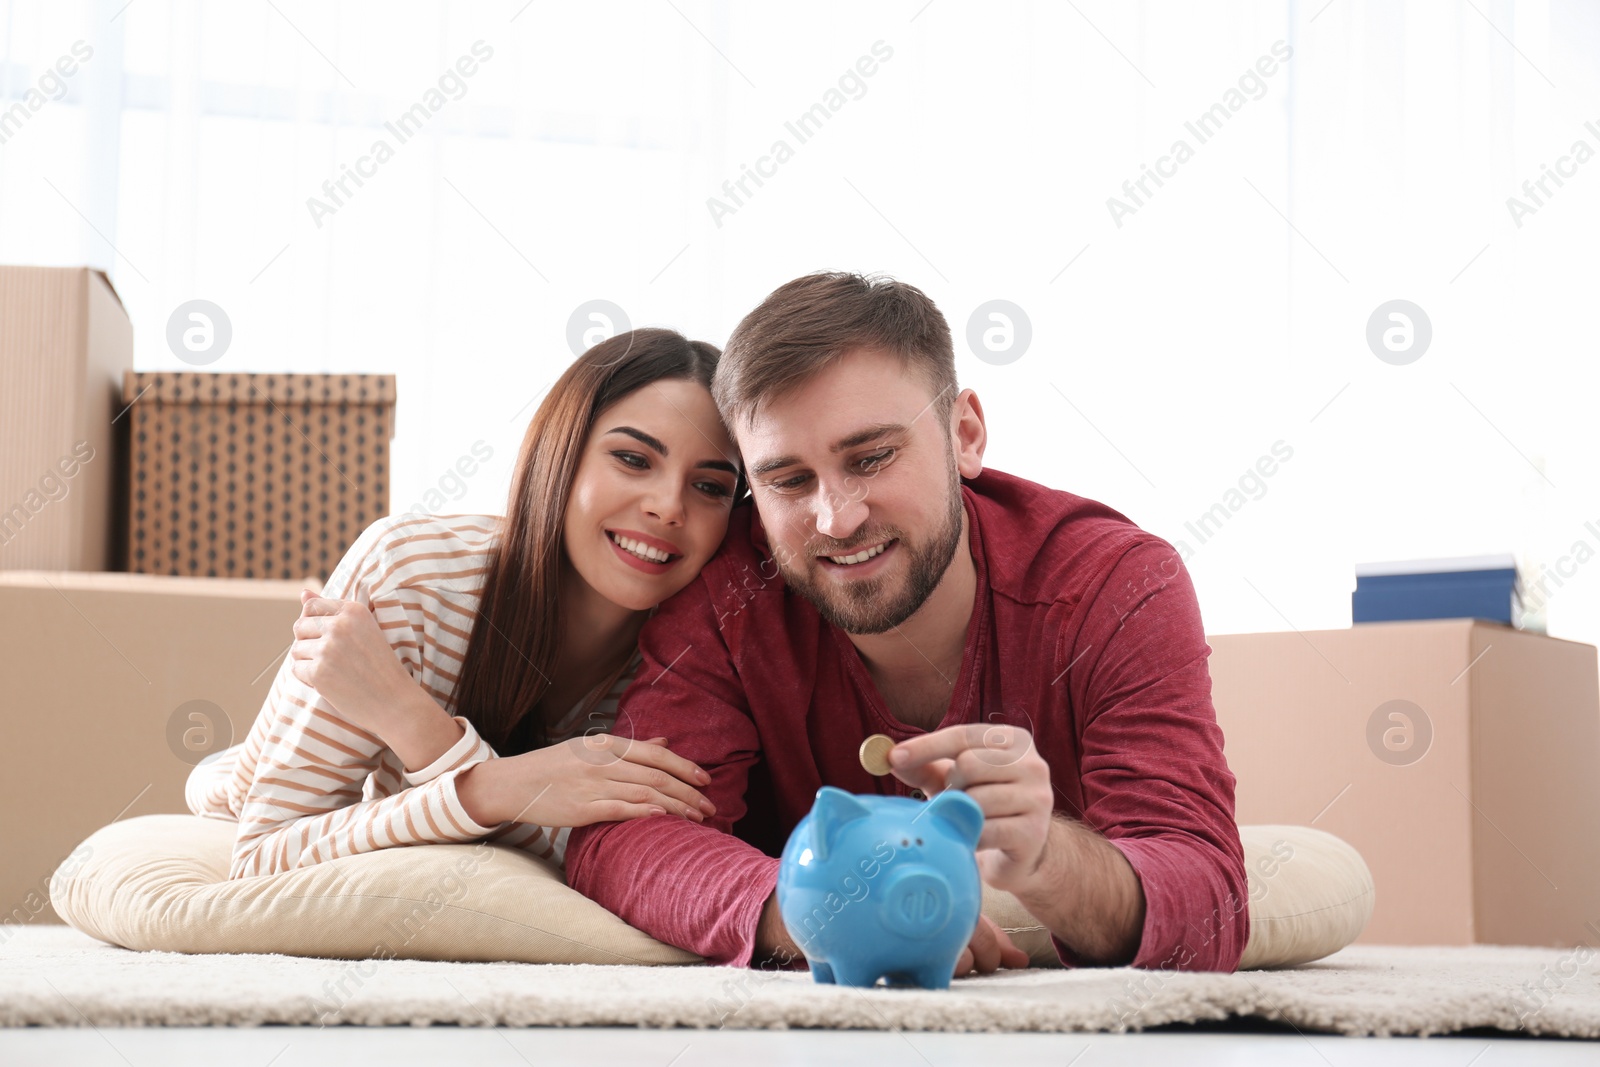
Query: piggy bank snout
x=917, y=901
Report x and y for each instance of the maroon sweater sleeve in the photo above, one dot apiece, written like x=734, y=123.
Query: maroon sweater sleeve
x=1155, y=781
x=693, y=885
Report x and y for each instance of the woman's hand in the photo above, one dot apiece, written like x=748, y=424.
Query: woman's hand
x=589, y=779
x=341, y=653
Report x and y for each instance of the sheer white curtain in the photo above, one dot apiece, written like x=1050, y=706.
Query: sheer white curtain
x=679, y=159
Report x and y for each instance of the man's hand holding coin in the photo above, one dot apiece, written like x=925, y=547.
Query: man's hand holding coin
x=1000, y=767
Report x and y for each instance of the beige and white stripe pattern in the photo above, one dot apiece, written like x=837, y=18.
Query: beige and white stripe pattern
x=305, y=786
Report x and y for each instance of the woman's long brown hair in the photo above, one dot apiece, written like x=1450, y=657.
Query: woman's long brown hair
x=511, y=654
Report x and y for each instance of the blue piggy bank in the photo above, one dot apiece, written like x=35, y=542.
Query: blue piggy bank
x=876, y=887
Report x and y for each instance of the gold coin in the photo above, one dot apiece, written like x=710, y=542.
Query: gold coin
x=875, y=754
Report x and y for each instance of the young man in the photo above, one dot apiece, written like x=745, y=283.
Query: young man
x=1033, y=648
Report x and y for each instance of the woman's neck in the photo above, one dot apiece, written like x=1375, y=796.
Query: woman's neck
x=597, y=635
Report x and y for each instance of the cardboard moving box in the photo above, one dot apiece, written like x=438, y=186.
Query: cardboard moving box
x=65, y=342
x=1459, y=757
x=119, y=684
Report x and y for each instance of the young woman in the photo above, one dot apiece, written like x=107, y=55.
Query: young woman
x=525, y=626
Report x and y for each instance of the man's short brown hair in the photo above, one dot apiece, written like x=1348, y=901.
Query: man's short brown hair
x=804, y=326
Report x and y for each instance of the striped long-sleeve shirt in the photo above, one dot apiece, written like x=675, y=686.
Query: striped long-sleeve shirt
x=306, y=786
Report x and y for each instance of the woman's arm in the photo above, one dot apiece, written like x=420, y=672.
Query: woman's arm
x=342, y=653
x=209, y=790
x=304, y=801
x=304, y=804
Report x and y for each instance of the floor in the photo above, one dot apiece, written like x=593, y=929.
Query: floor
x=1239, y=1045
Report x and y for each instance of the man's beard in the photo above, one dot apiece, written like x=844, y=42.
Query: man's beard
x=864, y=605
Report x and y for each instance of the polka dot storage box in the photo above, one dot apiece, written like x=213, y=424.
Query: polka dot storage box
x=253, y=475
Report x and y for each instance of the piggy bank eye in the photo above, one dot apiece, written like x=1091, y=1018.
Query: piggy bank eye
x=919, y=840
x=904, y=842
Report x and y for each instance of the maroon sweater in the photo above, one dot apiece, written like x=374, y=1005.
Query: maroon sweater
x=1085, y=631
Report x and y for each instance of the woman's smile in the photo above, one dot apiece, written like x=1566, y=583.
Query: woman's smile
x=649, y=554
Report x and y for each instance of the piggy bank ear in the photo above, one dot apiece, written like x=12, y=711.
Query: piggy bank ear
x=959, y=812
x=831, y=810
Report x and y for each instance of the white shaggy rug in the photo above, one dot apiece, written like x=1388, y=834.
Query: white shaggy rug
x=56, y=976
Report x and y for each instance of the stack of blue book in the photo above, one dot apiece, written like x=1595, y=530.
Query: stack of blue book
x=1468, y=587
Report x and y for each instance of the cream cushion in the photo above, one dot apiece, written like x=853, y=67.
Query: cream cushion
x=1310, y=894
x=1304, y=905
x=160, y=882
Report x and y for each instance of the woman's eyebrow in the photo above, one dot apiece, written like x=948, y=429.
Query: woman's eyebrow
x=657, y=444
x=718, y=465
x=641, y=436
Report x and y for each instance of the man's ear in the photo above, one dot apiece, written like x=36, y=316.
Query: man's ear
x=968, y=435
